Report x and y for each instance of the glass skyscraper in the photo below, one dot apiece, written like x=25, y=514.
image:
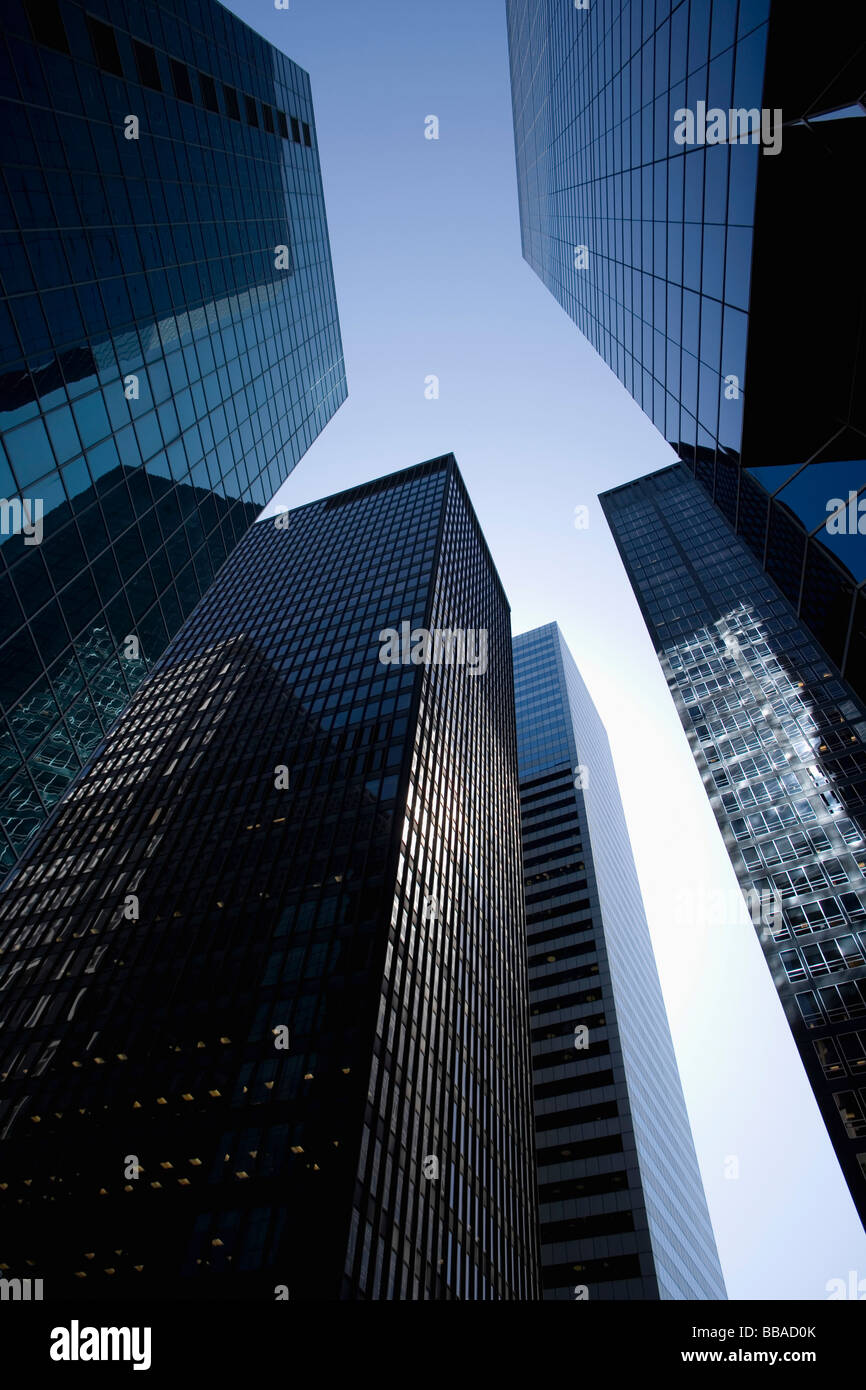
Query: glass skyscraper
x=263, y=974
x=686, y=189
x=170, y=347
x=780, y=742
x=622, y=1207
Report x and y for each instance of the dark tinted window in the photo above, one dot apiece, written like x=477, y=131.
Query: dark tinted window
x=282, y=124
x=180, y=79
x=307, y=140
x=268, y=115
x=46, y=24
x=296, y=131
x=104, y=46
x=252, y=113
x=208, y=91
x=231, y=100
x=145, y=61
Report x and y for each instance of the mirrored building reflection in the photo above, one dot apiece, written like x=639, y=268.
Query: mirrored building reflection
x=686, y=184
x=169, y=347
x=622, y=1210
x=264, y=992
x=780, y=742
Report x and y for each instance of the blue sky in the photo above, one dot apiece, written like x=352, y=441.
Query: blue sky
x=430, y=281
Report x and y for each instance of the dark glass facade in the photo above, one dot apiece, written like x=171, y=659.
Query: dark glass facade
x=263, y=975
x=719, y=278
x=169, y=347
x=622, y=1207
x=780, y=742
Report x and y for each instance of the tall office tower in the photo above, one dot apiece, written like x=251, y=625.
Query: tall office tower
x=684, y=173
x=264, y=987
x=779, y=741
x=622, y=1213
x=169, y=347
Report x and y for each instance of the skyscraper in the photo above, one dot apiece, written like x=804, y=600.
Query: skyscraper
x=686, y=193
x=622, y=1207
x=780, y=743
x=263, y=971
x=169, y=347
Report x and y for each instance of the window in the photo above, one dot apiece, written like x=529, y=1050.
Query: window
x=307, y=139
x=208, y=91
x=296, y=131
x=231, y=100
x=793, y=968
x=809, y=1008
x=180, y=80
x=829, y=1057
x=104, y=46
x=46, y=24
x=853, y=1048
x=252, y=112
x=282, y=125
x=148, y=68
x=268, y=116
x=853, y=906
x=849, y=832
x=850, y=948
x=851, y=1110
x=823, y=958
